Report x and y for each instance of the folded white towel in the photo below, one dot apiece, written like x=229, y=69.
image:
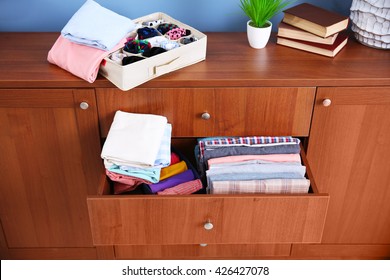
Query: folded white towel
x=95, y=26
x=134, y=139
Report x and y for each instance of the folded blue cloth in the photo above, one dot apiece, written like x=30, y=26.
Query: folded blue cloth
x=151, y=174
x=95, y=26
x=257, y=172
x=163, y=158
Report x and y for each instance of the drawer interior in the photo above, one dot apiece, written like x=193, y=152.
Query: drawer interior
x=236, y=219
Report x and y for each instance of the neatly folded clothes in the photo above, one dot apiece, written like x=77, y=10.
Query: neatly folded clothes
x=95, y=26
x=260, y=186
x=183, y=189
x=134, y=139
x=81, y=61
x=183, y=177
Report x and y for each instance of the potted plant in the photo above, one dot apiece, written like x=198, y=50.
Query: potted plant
x=259, y=25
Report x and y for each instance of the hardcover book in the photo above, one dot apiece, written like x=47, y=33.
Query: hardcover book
x=322, y=49
x=315, y=19
x=291, y=32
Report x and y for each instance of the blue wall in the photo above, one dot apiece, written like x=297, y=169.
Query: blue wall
x=204, y=15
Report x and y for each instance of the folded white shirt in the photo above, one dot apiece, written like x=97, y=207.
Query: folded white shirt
x=134, y=139
x=95, y=26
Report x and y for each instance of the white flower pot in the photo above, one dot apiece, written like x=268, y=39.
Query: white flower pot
x=258, y=37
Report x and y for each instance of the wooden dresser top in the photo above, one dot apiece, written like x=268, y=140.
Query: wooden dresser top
x=230, y=62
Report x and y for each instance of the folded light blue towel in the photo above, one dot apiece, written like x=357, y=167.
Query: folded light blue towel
x=151, y=174
x=95, y=26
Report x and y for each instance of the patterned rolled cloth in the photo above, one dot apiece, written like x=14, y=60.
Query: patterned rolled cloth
x=183, y=177
x=173, y=170
x=183, y=189
x=261, y=186
x=165, y=27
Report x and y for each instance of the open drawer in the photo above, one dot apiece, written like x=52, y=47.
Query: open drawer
x=235, y=219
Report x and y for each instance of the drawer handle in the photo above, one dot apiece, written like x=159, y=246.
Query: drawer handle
x=84, y=105
x=203, y=244
x=206, y=116
x=208, y=225
x=326, y=102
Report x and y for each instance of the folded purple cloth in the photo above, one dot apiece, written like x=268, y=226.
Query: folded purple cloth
x=170, y=182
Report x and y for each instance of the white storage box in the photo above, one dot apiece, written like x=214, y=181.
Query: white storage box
x=131, y=75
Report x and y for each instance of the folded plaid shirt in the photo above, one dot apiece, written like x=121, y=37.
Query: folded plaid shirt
x=184, y=188
x=261, y=186
x=244, y=141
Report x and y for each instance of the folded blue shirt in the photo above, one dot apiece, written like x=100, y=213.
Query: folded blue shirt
x=257, y=172
x=95, y=26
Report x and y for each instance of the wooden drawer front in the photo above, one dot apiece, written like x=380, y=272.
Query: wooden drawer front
x=180, y=219
x=233, y=111
x=263, y=111
x=195, y=251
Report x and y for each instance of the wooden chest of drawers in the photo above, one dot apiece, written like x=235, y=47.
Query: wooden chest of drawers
x=54, y=198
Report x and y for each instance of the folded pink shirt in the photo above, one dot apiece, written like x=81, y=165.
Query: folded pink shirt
x=81, y=61
x=271, y=157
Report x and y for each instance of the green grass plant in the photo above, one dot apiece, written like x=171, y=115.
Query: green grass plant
x=260, y=11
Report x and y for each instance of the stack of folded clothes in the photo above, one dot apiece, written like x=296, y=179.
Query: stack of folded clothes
x=137, y=154
x=233, y=165
x=90, y=35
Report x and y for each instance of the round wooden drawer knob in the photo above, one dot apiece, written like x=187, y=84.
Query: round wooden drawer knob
x=206, y=116
x=326, y=102
x=84, y=105
x=208, y=226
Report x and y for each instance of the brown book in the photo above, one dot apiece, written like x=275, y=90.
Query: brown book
x=322, y=49
x=315, y=19
x=288, y=31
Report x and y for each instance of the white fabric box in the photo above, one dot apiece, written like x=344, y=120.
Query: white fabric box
x=131, y=75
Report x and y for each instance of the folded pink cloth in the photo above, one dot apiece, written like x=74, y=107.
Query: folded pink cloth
x=270, y=157
x=81, y=61
x=125, y=183
x=183, y=188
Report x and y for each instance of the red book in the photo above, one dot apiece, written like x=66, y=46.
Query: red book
x=322, y=49
x=315, y=19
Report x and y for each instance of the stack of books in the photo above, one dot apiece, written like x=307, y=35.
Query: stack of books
x=313, y=29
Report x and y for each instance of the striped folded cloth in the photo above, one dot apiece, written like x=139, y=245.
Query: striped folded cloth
x=260, y=186
x=183, y=189
x=259, y=141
